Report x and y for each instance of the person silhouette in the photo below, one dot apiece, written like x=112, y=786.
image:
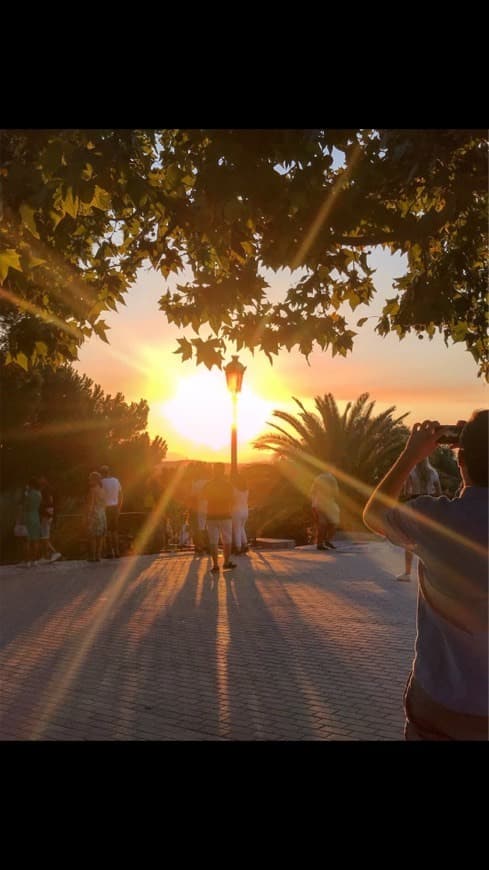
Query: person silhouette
x=325, y=509
x=219, y=496
x=446, y=696
x=113, y=504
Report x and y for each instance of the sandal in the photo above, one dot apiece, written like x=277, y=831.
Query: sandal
x=228, y=565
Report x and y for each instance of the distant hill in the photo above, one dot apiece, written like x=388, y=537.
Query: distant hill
x=174, y=463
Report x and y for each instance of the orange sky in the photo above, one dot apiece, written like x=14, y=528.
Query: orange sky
x=191, y=409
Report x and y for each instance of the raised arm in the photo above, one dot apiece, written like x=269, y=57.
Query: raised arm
x=421, y=442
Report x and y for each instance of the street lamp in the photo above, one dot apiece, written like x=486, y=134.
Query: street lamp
x=234, y=379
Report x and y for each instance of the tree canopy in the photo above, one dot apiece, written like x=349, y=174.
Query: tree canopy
x=359, y=441
x=358, y=446
x=59, y=423
x=83, y=210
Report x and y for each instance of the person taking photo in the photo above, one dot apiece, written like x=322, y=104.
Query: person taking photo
x=446, y=696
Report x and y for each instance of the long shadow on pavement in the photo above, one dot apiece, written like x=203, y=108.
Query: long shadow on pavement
x=163, y=649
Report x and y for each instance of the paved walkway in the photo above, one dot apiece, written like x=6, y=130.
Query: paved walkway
x=291, y=645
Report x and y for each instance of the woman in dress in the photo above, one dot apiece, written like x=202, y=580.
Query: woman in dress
x=95, y=518
x=240, y=514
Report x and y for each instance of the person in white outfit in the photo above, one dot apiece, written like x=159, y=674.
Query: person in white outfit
x=46, y=515
x=423, y=480
x=113, y=503
x=240, y=514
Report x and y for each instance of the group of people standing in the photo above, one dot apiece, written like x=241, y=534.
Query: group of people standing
x=34, y=519
x=104, y=503
x=35, y=515
x=218, y=509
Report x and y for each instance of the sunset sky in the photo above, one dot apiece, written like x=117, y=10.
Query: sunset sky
x=191, y=408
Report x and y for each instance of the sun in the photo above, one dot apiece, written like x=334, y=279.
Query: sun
x=201, y=410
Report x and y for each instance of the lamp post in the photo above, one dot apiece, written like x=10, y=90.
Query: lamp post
x=234, y=379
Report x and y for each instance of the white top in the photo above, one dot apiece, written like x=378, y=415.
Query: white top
x=415, y=486
x=240, y=499
x=112, y=488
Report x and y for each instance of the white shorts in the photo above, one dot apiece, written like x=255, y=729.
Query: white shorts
x=224, y=527
x=46, y=523
x=201, y=520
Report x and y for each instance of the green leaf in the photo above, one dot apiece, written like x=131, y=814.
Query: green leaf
x=459, y=332
x=22, y=361
x=172, y=176
x=70, y=203
x=209, y=357
x=391, y=307
x=27, y=215
x=354, y=300
x=9, y=259
x=87, y=172
x=35, y=261
x=185, y=349
x=100, y=329
x=362, y=321
x=56, y=217
x=101, y=199
x=41, y=348
x=349, y=256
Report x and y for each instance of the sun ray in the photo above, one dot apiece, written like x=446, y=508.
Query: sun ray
x=40, y=430
x=48, y=317
x=103, y=613
x=317, y=466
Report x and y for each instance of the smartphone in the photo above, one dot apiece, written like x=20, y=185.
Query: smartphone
x=451, y=435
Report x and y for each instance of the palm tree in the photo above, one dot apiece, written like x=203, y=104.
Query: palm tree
x=358, y=446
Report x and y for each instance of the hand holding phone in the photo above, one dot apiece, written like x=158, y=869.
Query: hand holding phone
x=450, y=434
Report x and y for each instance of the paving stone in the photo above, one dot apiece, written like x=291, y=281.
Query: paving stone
x=292, y=646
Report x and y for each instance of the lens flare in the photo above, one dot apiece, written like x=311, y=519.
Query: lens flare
x=201, y=410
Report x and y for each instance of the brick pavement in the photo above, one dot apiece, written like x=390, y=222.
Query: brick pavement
x=291, y=645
